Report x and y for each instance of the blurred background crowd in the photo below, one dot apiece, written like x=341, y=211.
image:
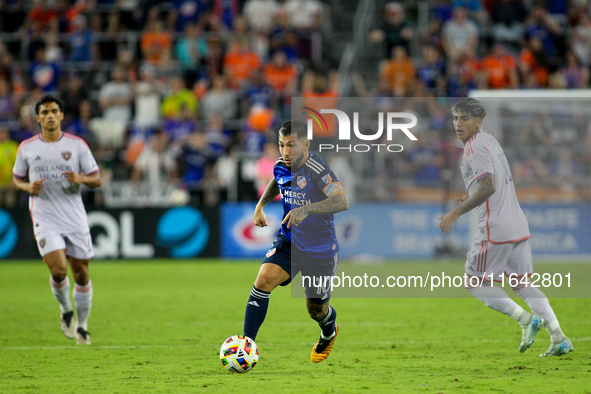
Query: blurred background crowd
x=188, y=94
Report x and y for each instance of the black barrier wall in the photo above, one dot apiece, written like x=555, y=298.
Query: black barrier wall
x=178, y=232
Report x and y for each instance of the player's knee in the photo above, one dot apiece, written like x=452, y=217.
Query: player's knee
x=267, y=282
x=80, y=272
x=58, y=274
x=316, y=311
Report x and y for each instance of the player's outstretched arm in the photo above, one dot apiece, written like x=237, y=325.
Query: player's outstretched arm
x=486, y=188
x=271, y=191
x=331, y=205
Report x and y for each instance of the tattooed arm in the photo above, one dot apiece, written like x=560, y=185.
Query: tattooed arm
x=486, y=188
x=332, y=204
x=271, y=191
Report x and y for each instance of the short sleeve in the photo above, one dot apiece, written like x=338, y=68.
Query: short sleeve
x=21, y=167
x=87, y=162
x=326, y=180
x=481, y=162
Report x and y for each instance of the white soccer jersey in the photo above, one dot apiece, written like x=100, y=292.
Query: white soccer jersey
x=58, y=208
x=500, y=217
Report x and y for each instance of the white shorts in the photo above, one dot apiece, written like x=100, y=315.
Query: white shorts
x=485, y=258
x=77, y=245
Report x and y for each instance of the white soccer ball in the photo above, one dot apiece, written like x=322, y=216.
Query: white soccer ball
x=239, y=354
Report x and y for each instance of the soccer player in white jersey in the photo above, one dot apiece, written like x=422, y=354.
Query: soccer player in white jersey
x=51, y=167
x=502, y=244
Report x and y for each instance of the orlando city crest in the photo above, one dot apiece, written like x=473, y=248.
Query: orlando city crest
x=42, y=243
x=302, y=182
x=66, y=155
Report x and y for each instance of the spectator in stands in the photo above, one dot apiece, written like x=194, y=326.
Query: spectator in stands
x=499, y=69
x=581, y=39
x=83, y=47
x=191, y=50
x=565, y=171
x=8, y=149
x=459, y=34
x=155, y=164
x=53, y=51
x=399, y=72
x=256, y=92
x=283, y=37
x=425, y=162
x=281, y=76
x=148, y=97
x=218, y=138
x=260, y=14
x=507, y=11
x=179, y=97
x=7, y=103
x=74, y=93
x=542, y=25
x=475, y=10
x=180, y=126
x=575, y=75
x=431, y=69
x=508, y=30
x=156, y=43
x=534, y=66
x=184, y=13
x=432, y=34
x=42, y=16
x=115, y=97
x=321, y=91
x=219, y=100
x=264, y=168
x=44, y=75
x=78, y=123
x=304, y=15
x=239, y=63
x=194, y=161
x=394, y=30
x=463, y=74
x=225, y=10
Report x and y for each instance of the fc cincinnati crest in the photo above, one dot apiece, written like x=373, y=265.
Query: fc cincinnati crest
x=42, y=243
x=302, y=182
x=66, y=155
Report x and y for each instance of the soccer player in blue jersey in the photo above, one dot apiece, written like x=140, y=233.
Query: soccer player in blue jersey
x=306, y=241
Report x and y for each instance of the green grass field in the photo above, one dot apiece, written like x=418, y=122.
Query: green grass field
x=157, y=326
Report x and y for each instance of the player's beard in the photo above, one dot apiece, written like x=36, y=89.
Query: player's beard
x=297, y=162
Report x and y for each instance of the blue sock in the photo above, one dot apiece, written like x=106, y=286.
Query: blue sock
x=327, y=324
x=256, y=310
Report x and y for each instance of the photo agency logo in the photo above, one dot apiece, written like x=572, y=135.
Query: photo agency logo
x=394, y=124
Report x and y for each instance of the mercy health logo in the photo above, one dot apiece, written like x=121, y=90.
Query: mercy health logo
x=388, y=122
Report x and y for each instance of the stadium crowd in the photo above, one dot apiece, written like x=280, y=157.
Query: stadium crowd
x=188, y=93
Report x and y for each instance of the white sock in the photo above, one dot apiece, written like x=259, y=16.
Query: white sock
x=496, y=298
x=61, y=292
x=83, y=299
x=539, y=304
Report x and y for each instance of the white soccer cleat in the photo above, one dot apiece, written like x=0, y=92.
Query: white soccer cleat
x=558, y=349
x=82, y=337
x=68, y=324
x=529, y=332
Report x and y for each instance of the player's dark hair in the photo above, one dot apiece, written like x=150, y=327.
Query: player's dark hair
x=294, y=127
x=469, y=106
x=49, y=99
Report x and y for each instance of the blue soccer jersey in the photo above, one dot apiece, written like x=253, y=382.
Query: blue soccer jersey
x=313, y=182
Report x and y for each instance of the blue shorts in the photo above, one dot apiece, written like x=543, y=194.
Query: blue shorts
x=293, y=261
